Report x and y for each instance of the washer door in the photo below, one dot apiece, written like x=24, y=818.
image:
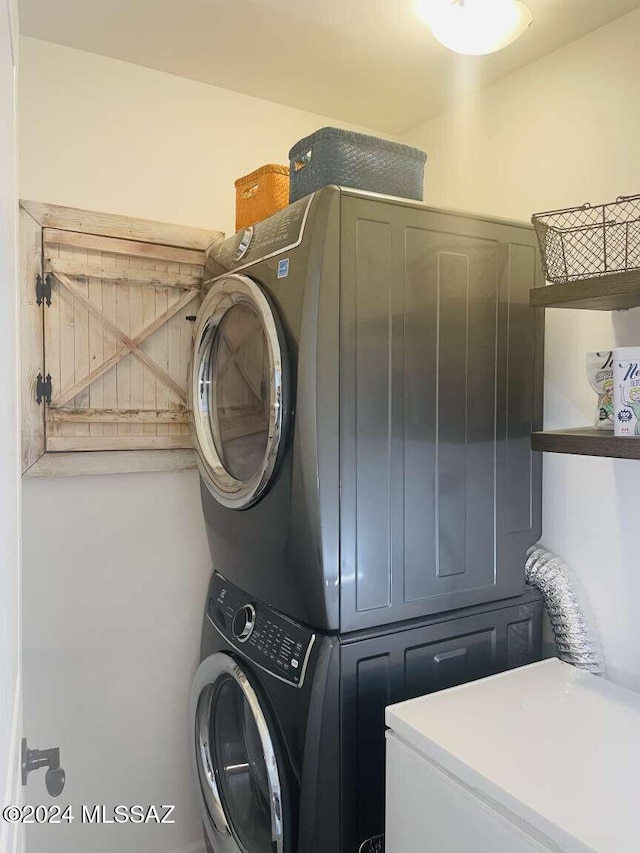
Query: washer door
x=238, y=393
x=235, y=758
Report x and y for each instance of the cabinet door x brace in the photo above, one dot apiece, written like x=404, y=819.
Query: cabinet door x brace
x=130, y=345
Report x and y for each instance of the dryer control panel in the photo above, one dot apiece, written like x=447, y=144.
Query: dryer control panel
x=269, y=639
x=279, y=232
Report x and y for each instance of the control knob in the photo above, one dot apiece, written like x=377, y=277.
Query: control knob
x=243, y=245
x=244, y=622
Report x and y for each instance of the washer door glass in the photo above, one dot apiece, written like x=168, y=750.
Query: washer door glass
x=237, y=762
x=242, y=772
x=238, y=391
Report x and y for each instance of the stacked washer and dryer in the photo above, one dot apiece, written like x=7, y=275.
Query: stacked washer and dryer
x=366, y=376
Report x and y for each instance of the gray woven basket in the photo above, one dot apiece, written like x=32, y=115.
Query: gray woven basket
x=333, y=156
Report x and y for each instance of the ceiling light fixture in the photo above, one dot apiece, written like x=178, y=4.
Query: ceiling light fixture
x=475, y=27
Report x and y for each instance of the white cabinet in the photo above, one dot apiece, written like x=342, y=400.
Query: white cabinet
x=542, y=758
x=428, y=810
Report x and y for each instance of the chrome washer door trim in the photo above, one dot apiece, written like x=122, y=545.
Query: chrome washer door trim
x=206, y=773
x=205, y=683
x=227, y=291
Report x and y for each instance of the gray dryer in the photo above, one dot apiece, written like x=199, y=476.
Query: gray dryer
x=366, y=375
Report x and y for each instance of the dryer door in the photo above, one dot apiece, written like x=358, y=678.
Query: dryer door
x=238, y=391
x=236, y=761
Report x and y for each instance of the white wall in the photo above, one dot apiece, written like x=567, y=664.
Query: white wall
x=115, y=568
x=557, y=133
x=96, y=132
x=10, y=704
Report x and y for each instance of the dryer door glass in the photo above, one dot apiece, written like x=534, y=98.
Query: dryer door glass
x=238, y=391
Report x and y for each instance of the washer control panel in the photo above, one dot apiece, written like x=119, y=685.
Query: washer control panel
x=244, y=622
x=269, y=639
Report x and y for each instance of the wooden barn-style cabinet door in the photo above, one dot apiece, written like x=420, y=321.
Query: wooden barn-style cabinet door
x=106, y=340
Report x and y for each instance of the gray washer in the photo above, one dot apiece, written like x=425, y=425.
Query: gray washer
x=290, y=758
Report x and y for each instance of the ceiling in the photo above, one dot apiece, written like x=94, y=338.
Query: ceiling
x=369, y=62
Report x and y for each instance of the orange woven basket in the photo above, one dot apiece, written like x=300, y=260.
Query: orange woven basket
x=261, y=194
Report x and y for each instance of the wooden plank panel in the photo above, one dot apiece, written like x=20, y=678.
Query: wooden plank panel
x=31, y=340
x=149, y=379
x=80, y=338
x=96, y=342
x=163, y=398
x=179, y=303
x=137, y=368
x=68, y=393
x=67, y=370
x=130, y=344
x=120, y=273
x=125, y=227
x=102, y=416
x=124, y=247
x=187, y=329
x=116, y=442
x=70, y=428
x=111, y=462
x=173, y=351
x=52, y=321
x=123, y=320
x=109, y=347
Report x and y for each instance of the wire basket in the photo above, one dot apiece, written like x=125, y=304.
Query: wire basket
x=587, y=242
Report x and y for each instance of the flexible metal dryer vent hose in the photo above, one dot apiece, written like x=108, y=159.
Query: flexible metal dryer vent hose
x=569, y=612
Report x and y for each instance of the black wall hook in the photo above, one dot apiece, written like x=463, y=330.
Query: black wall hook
x=33, y=759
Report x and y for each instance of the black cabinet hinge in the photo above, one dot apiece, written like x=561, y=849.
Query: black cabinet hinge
x=43, y=289
x=43, y=388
